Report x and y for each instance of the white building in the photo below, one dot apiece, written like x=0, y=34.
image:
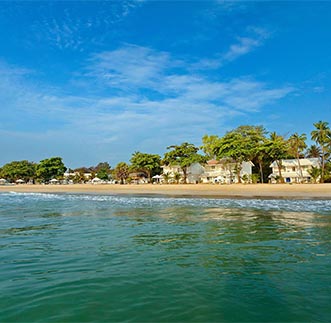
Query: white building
x=193, y=173
x=224, y=171
x=291, y=171
x=214, y=171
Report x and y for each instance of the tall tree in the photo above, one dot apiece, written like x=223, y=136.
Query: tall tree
x=297, y=144
x=148, y=163
x=277, y=149
x=102, y=170
x=15, y=170
x=322, y=136
x=241, y=144
x=121, y=172
x=50, y=168
x=183, y=155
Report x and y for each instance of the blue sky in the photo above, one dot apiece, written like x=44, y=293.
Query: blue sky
x=94, y=81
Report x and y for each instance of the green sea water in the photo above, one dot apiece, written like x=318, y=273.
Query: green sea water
x=94, y=258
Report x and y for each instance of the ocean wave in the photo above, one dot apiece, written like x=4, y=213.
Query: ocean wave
x=119, y=201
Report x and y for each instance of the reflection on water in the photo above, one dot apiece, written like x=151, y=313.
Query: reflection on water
x=106, y=258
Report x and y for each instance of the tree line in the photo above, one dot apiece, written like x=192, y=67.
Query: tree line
x=245, y=143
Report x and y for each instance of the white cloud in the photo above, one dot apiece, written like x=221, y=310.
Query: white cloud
x=129, y=65
x=242, y=46
x=76, y=32
x=158, y=103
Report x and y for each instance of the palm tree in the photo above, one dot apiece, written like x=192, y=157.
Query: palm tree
x=121, y=172
x=166, y=177
x=277, y=149
x=297, y=145
x=313, y=152
x=177, y=177
x=314, y=172
x=322, y=136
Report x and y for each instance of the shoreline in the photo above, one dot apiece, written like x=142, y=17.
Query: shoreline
x=235, y=191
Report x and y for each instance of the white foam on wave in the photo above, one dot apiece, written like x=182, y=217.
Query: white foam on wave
x=121, y=201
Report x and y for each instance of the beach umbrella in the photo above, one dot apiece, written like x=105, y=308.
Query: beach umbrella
x=53, y=180
x=157, y=177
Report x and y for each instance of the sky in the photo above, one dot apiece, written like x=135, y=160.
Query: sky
x=95, y=81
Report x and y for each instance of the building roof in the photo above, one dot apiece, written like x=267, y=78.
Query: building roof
x=294, y=162
x=213, y=162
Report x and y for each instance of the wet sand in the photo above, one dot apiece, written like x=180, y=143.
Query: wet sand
x=294, y=191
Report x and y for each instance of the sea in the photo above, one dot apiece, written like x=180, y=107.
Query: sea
x=113, y=258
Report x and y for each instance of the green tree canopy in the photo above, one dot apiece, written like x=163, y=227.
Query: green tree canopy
x=322, y=136
x=241, y=144
x=277, y=148
x=183, y=155
x=297, y=144
x=102, y=170
x=50, y=168
x=121, y=172
x=15, y=170
x=209, y=144
x=149, y=163
x=313, y=152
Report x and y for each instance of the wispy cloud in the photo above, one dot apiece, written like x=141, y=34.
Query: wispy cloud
x=142, y=100
x=59, y=26
x=242, y=45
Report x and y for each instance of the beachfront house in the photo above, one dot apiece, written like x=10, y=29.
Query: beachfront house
x=194, y=172
x=214, y=171
x=224, y=171
x=291, y=171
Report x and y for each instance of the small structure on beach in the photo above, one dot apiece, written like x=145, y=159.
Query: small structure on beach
x=96, y=180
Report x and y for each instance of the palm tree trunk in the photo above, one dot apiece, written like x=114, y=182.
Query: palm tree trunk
x=185, y=174
x=238, y=169
x=279, y=164
x=261, y=171
x=300, y=169
x=323, y=164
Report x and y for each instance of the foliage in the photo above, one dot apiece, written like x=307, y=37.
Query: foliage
x=322, y=136
x=102, y=170
x=50, y=168
x=148, y=163
x=277, y=149
x=177, y=177
x=209, y=143
x=241, y=144
x=121, y=172
x=313, y=152
x=103, y=174
x=183, y=155
x=166, y=177
x=297, y=144
x=315, y=173
x=255, y=178
x=15, y=170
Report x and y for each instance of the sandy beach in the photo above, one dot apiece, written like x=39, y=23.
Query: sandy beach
x=297, y=191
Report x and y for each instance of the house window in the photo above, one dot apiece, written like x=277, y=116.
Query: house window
x=293, y=169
